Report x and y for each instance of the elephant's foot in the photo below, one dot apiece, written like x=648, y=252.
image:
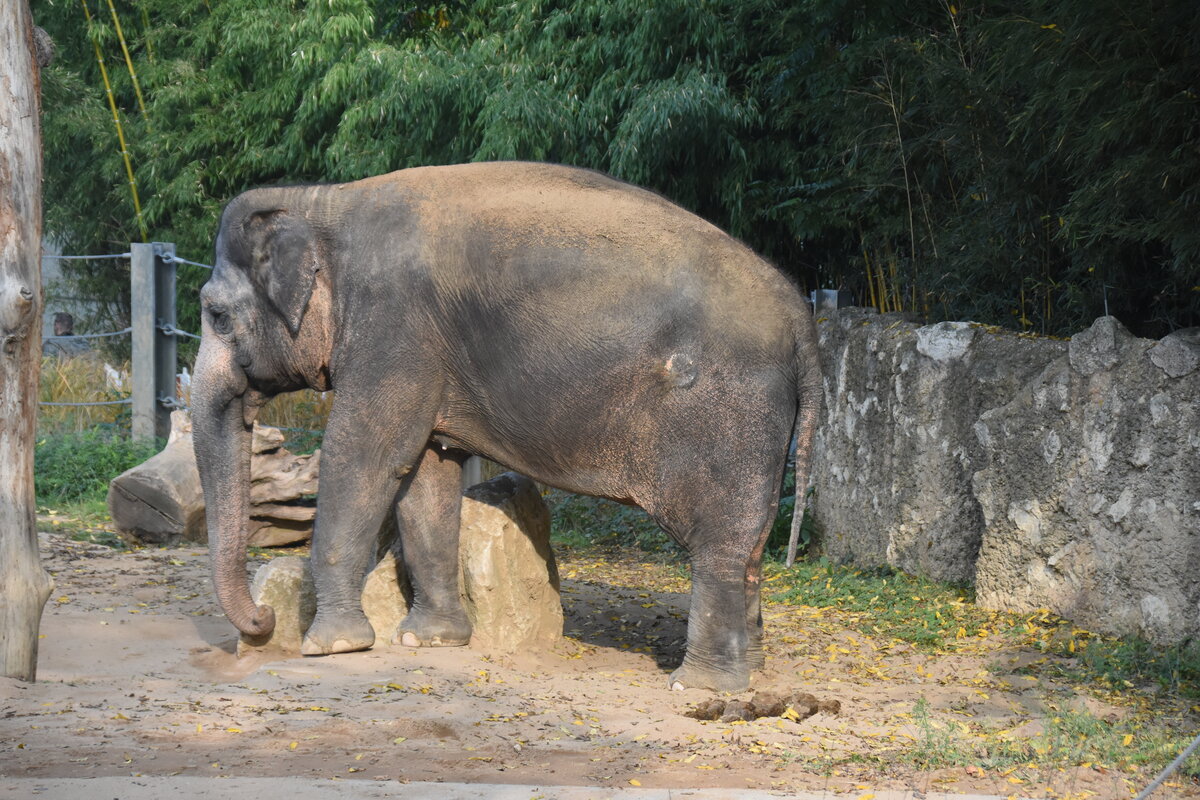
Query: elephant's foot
x=689, y=676
x=756, y=657
x=338, y=632
x=423, y=629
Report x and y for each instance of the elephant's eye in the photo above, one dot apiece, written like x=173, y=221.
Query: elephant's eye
x=219, y=319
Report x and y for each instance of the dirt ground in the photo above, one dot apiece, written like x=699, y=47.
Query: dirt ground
x=137, y=676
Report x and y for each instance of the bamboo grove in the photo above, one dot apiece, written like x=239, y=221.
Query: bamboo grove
x=1028, y=164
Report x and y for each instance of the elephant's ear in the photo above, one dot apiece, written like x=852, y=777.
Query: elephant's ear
x=284, y=259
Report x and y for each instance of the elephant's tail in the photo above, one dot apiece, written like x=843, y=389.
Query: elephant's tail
x=809, y=396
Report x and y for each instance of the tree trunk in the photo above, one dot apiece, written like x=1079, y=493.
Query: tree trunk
x=24, y=585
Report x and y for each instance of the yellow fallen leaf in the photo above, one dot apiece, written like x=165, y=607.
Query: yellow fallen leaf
x=293, y=745
x=399, y=739
x=634, y=782
x=1127, y=740
x=233, y=730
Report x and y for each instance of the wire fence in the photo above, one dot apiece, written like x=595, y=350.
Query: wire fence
x=171, y=258
x=164, y=327
x=164, y=395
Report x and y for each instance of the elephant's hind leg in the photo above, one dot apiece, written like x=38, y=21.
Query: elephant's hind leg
x=724, y=538
x=427, y=515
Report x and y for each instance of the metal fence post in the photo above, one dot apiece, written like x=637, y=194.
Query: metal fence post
x=166, y=352
x=472, y=472
x=152, y=307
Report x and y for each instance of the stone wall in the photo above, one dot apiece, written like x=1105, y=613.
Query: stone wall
x=1051, y=474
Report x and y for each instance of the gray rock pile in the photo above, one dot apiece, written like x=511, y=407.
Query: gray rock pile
x=1059, y=475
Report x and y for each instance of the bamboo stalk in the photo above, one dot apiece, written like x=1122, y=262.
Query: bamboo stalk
x=870, y=281
x=894, y=286
x=137, y=87
x=112, y=105
x=146, y=34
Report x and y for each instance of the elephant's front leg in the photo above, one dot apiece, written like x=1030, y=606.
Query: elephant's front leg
x=361, y=466
x=427, y=514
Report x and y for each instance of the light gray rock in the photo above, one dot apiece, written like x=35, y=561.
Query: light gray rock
x=386, y=597
x=894, y=459
x=286, y=585
x=1107, y=532
x=509, y=577
x=1099, y=347
x=1052, y=475
x=1178, y=354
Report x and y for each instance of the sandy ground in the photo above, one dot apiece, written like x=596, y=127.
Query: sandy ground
x=138, y=676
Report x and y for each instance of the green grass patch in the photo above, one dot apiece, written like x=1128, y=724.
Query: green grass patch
x=1069, y=739
x=1119, y=664
x=883, y=601
x=73, y=467
x=578, y=522
x=82, y=520
x=938, y=618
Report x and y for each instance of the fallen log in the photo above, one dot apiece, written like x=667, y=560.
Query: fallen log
x=161, y=502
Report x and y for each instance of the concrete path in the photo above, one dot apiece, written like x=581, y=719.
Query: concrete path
x=180, y=788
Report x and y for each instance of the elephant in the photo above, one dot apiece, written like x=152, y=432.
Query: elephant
x=572, y=327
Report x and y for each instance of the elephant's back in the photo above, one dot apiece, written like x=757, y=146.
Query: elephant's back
x=566, y=243
x=514, y=209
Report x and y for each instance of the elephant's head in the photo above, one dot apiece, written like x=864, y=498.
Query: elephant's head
x=265, y=329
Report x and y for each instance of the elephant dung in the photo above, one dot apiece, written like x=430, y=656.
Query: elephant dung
x=509, y=578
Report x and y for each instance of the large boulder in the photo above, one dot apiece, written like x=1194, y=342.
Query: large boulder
x=1091, y=492
x=161, y=502
x=508, y=577
x=1050, y=474
x=895, y=456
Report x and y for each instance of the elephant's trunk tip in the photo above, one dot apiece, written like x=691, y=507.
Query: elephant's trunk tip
x=261, y=623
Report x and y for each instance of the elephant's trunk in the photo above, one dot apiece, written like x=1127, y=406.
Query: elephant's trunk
x=221, y=434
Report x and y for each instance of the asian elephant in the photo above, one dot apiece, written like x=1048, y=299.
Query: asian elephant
x=569, y=326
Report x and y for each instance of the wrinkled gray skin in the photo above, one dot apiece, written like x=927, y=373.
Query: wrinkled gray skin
x=576, y=329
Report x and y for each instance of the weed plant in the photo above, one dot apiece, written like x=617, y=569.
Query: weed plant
x=303, y=415
x=579, y=523
x=71, y=468
x=80, y=379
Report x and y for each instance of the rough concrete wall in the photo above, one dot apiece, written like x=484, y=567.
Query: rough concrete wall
x=896, y=454
x=1091, y=496
x=944, y=446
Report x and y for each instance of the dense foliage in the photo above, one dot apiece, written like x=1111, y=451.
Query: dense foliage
x=73, y=467
x=1016, y=163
